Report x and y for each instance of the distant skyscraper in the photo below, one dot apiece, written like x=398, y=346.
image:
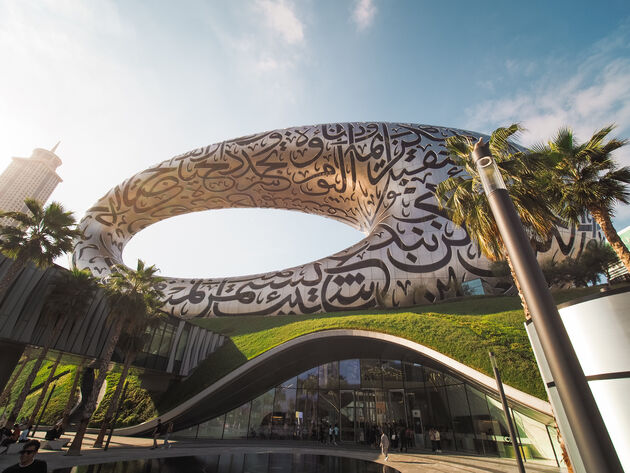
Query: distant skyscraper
x=33, y=177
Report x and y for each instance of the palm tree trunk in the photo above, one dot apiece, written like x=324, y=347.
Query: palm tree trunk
x=602, y=217
x=109, y=415
x=90, y=406
x=15, y=268
x=528, y=314
x=19, y=402
x=42, y=395
x=72, y=398
x=6, y=394
x=31, y=377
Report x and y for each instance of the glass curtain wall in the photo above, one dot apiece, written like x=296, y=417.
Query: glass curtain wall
x=354, y=399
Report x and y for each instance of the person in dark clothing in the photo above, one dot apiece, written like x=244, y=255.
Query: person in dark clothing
x=13, y=438
x=156, y=433
x=27, y=463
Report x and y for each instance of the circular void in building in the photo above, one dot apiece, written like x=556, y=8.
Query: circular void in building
x=379, y=178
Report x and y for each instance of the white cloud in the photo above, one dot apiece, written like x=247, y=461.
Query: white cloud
x=595, y=94
x=364, y=13
x=281, y=18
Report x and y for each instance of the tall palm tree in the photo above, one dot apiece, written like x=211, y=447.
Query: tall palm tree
x=40, y=236
x=131, y=294
x=133, y=340
x=467, y=206
x=584, y=177
x=72, y=397
x=71, y=294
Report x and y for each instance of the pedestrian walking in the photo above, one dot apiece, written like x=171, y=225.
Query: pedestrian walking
x=156, y=434
x=385, y=445
x=169, y=430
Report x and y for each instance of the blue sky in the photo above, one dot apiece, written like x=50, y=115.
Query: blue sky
x=125, y=85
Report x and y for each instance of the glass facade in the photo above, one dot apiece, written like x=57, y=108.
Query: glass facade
x=360, y=397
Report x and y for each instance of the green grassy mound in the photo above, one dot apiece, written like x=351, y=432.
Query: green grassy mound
x=464, y=330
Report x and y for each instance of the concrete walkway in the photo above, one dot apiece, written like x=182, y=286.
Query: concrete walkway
x=131, y=448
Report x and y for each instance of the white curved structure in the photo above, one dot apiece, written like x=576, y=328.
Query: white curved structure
x=288, y=359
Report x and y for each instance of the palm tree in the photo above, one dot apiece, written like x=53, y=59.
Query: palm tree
x=134, y=339
x=72, y=398
x=467, y=206
x=132, y=294
x=40, y=236
x=69, y=298
x=583, y=177
x=5, y=397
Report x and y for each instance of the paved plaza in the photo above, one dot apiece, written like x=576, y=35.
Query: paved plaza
x=132, y=448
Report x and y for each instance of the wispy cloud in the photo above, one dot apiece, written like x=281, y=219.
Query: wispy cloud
x=281, y=18
x=596, y=93
x=363, y=13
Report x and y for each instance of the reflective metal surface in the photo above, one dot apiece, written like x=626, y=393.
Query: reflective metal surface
x=377, y=177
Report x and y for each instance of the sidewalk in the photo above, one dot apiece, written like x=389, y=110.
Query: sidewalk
x=132, y=448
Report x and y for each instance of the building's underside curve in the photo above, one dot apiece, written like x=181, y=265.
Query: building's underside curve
x=295, y=356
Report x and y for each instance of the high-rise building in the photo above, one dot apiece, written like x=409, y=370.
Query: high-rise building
x=33, y=177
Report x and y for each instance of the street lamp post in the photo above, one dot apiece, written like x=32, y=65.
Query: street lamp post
x=508, y=417
x=591, y=435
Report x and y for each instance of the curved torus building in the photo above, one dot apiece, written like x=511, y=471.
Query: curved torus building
x=379, y=178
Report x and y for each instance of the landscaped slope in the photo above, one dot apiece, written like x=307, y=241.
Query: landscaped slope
x=464, y=330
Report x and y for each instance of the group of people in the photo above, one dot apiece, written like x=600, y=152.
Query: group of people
x=8, y=436
x=328, y=434
x=162, y=429
x=403, y=436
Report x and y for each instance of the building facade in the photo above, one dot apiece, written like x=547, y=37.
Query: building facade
x=33, y=177
x=379, y=178
x=406, y=399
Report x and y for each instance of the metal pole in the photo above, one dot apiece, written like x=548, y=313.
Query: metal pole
x=508, y=417
x=43, y=410
x=111, y=430
x=590, y=433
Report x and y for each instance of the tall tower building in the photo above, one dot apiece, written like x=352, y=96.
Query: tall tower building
x=33, y=177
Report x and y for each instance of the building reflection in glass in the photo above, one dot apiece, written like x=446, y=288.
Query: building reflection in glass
x=362, y=396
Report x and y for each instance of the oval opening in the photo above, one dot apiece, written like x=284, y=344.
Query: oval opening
x=237, y=242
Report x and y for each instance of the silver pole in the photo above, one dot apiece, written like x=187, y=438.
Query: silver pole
x=508, y=417
x=590, y=433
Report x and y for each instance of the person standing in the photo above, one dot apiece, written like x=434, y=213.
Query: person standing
x=385, y=445
x=432, y=439
x=169, y=430
x=402, y=439
x=156, y=433
x=335, y=434
x=438, y=443
x=27, y=463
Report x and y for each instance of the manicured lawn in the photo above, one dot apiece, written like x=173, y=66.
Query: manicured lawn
x=463, y=329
